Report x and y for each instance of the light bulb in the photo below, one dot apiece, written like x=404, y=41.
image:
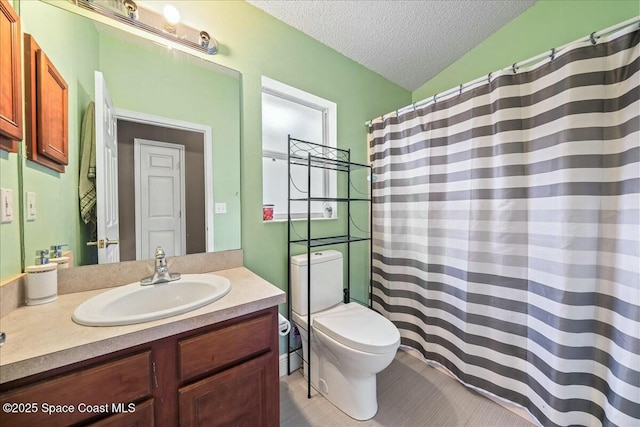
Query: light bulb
x=171, y=14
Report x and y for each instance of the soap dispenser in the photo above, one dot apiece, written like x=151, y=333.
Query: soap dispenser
x=41, y=280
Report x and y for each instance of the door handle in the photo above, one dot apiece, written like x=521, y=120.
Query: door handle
x=111, y=242
x=101, y=244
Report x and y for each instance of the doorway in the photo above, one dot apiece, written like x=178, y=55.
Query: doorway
x=198, y=198
x=159, y=198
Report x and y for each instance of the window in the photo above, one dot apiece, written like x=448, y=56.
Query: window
x=290, y=111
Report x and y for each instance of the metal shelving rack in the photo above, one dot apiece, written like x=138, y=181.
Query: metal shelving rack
x=316, y=156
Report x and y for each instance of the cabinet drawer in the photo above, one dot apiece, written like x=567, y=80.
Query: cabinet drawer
x=212, y=350
x=141, y=417
x=121, y=381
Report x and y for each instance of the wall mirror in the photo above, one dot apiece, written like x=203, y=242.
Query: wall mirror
x=170, y=107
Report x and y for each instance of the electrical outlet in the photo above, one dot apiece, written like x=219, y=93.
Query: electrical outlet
x=221, y=208
x=6, y=207
x=31, y=206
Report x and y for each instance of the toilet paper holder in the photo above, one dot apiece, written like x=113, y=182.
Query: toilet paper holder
x=284, y=326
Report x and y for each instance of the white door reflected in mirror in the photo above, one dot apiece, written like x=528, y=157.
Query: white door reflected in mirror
x=107, y=217
x=159, y=198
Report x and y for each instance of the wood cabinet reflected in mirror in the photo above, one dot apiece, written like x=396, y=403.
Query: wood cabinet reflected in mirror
x=47, y=123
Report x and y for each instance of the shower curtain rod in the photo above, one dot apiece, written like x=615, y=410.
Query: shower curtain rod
x=593, y=37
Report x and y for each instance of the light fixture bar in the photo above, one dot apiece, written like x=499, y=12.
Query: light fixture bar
x=206, y=45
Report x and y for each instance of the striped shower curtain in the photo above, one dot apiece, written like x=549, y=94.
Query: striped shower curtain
x=506, y=236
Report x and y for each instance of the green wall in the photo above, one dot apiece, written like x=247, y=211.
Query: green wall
x=257, y=44
x=549, y=23
x=10, y=232
x=58, y=216
x=183, y=91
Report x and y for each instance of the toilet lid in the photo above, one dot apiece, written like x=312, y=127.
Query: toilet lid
x=359, y=328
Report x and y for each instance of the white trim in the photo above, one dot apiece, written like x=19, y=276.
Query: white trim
x=330, y=122
x=284, y=220
x=296, y=363
x=291, y=93
x=137, y=144
x=136, y=117
x=107, y=201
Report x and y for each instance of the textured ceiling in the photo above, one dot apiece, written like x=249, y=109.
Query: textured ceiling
x=407, y=42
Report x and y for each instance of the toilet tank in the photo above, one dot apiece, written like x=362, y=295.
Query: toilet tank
x=326, y=281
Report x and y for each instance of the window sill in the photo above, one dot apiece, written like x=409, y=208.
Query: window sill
x=299, y=220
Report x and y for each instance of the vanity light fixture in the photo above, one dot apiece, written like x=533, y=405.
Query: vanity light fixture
x=164, y=25
x=131, y=8
x=204, y=39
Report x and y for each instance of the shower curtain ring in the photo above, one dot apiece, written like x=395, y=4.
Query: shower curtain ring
x=553, y=53
x=434, y=98
x=592, y=37
x=489, y=78
x=514, y=68
x=460, y=90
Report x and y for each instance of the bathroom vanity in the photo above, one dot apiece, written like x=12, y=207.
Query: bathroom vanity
x=217, y=365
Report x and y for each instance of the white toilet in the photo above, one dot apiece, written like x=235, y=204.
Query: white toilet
x=350, y=343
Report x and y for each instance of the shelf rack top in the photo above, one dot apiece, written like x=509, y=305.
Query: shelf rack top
x=307, y=153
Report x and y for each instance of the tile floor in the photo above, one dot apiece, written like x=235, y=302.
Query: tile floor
x=410, y=393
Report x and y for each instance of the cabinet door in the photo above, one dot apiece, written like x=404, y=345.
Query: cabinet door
x=247, y=395
x=10, y=78
x=140, y=416
x=33, y=119
x=52, y=111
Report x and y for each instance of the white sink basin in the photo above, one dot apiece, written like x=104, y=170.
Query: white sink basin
x=134, y=303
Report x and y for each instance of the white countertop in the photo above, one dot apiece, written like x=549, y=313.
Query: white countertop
x=44, y=337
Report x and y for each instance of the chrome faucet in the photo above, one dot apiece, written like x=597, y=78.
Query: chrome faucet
x=161, y=274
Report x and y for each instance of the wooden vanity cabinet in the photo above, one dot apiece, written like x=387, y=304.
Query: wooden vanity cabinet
x=10, y=78
x=244, y=390
x=240, y=396
x=80, y=395
x=142, y=417
x=225, y=374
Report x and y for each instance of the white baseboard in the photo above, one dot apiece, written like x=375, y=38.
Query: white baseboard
x=296, y=363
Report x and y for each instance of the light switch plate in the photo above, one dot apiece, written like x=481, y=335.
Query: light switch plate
x=221, y=208
x=31, y=206
x=6, y=205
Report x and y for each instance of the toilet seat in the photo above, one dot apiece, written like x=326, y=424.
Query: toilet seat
x=355, y=326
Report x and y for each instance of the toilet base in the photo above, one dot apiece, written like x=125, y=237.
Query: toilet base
x=355, y=397
x=355, y=394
